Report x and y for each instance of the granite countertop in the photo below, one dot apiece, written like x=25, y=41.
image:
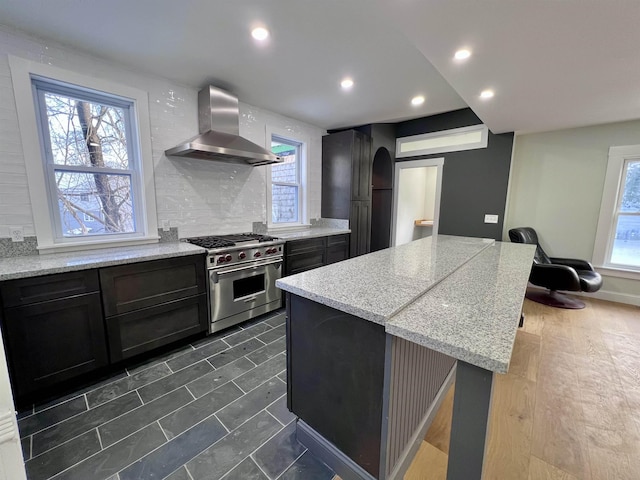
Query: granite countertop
x=473, y=314
x=33, y=265
x=303, y=233
x=456, y=295
x=377, y=285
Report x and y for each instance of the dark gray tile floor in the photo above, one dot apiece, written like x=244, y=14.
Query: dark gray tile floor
x=215, y=409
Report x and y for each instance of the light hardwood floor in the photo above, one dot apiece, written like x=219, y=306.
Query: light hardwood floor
x=568, y=409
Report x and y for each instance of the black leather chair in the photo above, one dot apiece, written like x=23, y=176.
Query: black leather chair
x=556, y=274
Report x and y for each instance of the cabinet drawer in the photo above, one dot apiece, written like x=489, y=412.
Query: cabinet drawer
x=304, y=261
x=306, y=245
x=144, y=330
x=126, y=288
x=337, y=253
x=334, y=240
x=50, y=342
x=26, y=291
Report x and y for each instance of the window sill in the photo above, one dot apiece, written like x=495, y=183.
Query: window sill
x=609, y=271
x=94, y=244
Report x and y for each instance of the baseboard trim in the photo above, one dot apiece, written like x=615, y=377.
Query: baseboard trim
x=326, y=451
x=607, y=295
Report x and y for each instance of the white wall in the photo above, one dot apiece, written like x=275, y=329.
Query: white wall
x=416, y=200
x=431, y=179
x=556, y=187
x=198, y=197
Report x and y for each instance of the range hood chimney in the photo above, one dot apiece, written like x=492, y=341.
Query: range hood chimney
x=219, y=139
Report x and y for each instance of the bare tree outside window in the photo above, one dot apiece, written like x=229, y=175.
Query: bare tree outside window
x=89, y=160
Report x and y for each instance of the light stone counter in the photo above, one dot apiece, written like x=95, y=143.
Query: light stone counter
x=456, y=295
x=473, y=314
x=35, y=265
x=377, y=285
x=312, y=232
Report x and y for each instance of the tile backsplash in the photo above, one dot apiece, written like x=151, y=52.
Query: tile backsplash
x=196, y=197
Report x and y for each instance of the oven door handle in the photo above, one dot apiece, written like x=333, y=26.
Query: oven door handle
x=215, y=274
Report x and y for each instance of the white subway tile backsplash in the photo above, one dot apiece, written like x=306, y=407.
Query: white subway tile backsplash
x=197, y=196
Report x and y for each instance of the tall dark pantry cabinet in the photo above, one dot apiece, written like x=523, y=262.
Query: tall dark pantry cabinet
x=346, y=184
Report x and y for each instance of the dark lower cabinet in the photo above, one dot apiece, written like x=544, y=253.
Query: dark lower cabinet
x=337, y=249
x=54, y=341
x=138, y=332
x=126, y=288
x=151, y=304
x=307, y=254
x=58, y=328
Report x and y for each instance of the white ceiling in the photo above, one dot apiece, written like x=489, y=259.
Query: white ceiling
x=553, y=64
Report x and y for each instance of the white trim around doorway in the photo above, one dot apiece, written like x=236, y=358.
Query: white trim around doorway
x=426, y=162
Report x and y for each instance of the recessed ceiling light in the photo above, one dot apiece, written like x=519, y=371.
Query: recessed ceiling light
x=462, y=54
x=418, y=100
x=260, y=33
x=347, y=83
x=487, y=94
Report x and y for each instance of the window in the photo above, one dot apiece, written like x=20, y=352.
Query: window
x=285, y=182
x=87, y=138
x=86, y=176
x=618, y=236
x=454, y=140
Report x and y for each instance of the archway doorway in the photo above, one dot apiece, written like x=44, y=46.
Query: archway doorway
x=381, y=199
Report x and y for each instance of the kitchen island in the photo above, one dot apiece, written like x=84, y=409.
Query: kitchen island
x=374, y=342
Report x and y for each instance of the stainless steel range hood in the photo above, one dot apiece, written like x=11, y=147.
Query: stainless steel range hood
x=219, y=139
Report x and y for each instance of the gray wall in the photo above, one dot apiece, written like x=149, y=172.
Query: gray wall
x=474, y=182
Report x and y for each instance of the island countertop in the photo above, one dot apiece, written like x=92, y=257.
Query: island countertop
x=34, y=265
x=456, y=295
x=377, y=285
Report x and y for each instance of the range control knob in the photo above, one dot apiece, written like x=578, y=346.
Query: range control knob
x=228, y=258
x=257, y=254
x=220, y=259
x=242, y=255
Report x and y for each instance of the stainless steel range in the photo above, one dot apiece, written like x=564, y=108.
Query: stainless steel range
x=243, y=270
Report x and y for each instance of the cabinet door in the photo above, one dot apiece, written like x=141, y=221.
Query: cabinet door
x=360, y=224
x=126, y=288
x=337, y=163
x=303, y=255
x=144, y=330
x=53, y=341
x=337, y=248
x=301, y=262
x=361, y=167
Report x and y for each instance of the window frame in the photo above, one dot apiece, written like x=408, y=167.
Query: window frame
x=443, y=134
x=301, y=171
x=24, y=74
x=619, y=157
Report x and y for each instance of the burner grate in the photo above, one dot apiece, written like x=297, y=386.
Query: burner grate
x=210, y=242
x=224, y=241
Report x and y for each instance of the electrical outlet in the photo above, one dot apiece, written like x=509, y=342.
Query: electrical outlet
x=490, y=218
x=166, y=225
x=17, y=234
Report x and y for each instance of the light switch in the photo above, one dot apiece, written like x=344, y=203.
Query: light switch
x=490, y=218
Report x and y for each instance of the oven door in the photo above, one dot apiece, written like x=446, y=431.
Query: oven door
x=243, y=287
